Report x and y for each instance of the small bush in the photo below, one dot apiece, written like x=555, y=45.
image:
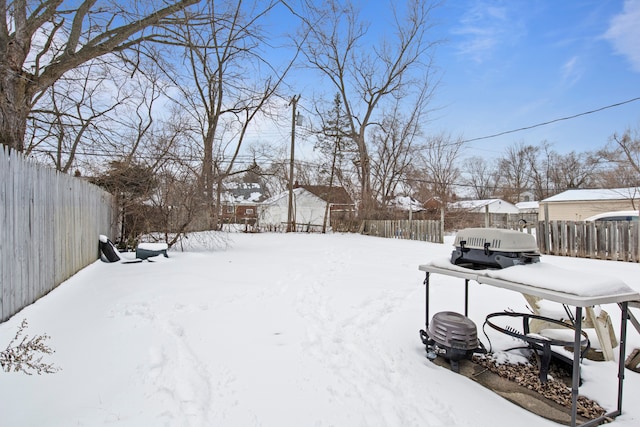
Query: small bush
x=24, y=354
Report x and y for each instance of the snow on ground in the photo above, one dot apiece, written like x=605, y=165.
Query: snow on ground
x=273, y=330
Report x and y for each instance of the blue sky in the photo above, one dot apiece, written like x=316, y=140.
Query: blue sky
x=512, y=64
x=509, y=64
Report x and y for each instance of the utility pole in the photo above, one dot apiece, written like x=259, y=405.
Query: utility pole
x=291, y=220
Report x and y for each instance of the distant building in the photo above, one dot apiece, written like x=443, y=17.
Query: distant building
x=406, y=205
x=239, y=203
x=526, y=196
x=529, y=212
x=481, y=213
x=309, y=203
x=486, y=205
x=528, y=207
x=577, y=205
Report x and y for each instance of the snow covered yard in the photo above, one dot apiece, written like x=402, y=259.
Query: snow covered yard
x=274, y=330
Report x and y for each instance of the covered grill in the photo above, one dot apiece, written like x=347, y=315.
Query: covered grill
x=494, y=248
x=453, y=336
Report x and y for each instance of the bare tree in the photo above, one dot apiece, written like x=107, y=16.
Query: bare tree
x=628, y=147
x=540, y=163
x=438, y=164
x=81, y=106
x=617, y=175
x=622, y=153
x=515, y=169
x=393, y=153
x=367, y=75
x=482, y=177
x=176, y=202
x=571, y=170
x=229, y=84
x=41, y=41
x=273, y=167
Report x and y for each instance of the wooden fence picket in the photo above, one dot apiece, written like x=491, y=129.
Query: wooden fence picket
x=49, y=228
x=607, y=240
x=423, y=230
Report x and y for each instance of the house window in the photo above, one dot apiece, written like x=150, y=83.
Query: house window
x=230, y=209
x=249, y=211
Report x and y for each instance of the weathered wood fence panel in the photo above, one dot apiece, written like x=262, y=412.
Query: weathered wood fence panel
x=49, y=228
x=610, y=240
x=423, y=230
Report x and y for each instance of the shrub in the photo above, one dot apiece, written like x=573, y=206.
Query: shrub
x=24, y=354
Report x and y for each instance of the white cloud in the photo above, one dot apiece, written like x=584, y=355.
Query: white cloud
x=483, y=28
x=624, y=33
x=571, y=70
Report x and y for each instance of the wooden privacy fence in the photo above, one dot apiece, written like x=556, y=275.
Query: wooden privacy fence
x=49, y=228
x=610, y=240
x=424, y=230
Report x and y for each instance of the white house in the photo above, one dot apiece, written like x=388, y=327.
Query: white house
x=486, y=205
x=309, y=206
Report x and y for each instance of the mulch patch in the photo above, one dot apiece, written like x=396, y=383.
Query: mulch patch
x=519, y=383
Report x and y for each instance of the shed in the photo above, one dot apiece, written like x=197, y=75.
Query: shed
x=309, y=203
x=578, y=204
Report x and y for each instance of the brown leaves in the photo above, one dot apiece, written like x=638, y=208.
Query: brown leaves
x=526, y=375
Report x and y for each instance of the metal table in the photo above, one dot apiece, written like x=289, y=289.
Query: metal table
x=622, y=297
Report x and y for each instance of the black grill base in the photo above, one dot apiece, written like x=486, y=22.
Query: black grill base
x=484, y=258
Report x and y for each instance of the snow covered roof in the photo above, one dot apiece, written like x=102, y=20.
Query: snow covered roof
x=243, y=192
x=274, y=199
x=528, y=207
x=595, y=194
x=406, y=203
x=495, y=206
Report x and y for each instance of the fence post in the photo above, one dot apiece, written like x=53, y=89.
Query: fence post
x=547, y=226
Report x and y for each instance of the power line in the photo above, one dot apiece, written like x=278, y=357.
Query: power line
x=552, y=121
x=244, y=159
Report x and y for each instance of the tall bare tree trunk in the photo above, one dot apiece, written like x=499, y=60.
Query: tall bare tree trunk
x=367, y=77
x=15, y=105
x=16, y=99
